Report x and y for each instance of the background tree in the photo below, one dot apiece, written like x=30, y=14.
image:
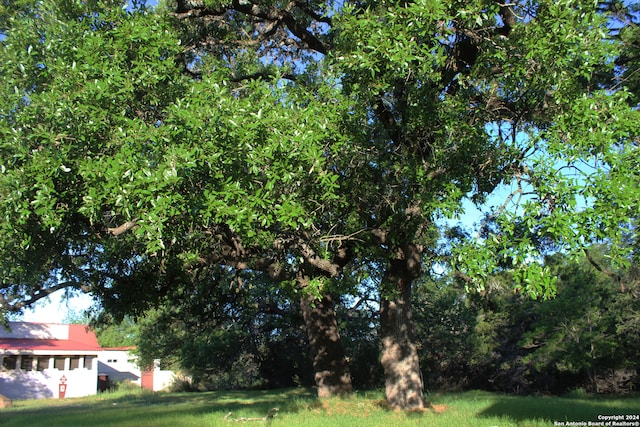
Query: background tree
x=448, y=342
x=228, y=331
x=594, y=335
x=112, y=334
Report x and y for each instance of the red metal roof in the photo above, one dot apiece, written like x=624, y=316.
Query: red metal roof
x=125, y=348
x=81, y=338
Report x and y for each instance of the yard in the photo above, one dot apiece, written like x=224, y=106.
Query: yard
x=299, y=407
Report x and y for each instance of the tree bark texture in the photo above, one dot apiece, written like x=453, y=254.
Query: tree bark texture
x=331, y=373
x=403, y=381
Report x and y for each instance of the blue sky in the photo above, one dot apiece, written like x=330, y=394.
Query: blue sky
x=57, y=309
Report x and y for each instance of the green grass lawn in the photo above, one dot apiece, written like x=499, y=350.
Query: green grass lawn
x=298, y=407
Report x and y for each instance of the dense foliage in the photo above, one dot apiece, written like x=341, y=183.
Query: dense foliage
x=229, y=336
x=586, y=337
x=321, y=145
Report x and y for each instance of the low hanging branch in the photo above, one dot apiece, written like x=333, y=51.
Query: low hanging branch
x=15, y=306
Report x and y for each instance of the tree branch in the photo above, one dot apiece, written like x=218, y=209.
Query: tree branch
x=122, y=228
x=263, y=75
x=196, y=9
x=303, y=6
x=615, y=276
x=35, y=296
x=508, y=18
x=329, y=268
x=388, y=121
x=305, y=35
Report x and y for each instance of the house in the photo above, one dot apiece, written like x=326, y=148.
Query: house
x=44, y=360
x=120, y=364
x=117, y=365
x=41, y=360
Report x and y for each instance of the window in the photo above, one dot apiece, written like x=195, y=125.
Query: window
x=88, y=362
x=9, y=362
x=43, y=363
x=58, y=363
x=112, y=361
x=26, y=364
x=74, y=362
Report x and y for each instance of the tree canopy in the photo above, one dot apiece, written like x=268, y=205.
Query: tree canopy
x=311, y=141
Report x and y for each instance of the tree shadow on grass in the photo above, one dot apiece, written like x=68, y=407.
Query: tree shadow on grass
x=559, y=409
x=159, y=409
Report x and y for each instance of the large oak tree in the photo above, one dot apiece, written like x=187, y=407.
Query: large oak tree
x=299, y=138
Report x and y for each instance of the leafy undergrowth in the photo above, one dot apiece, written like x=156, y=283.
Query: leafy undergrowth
x=299, y=407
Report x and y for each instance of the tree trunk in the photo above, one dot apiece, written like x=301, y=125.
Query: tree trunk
x=331, y=373
x=403, y=381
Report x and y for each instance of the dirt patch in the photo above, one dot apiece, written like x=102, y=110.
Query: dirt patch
x=428, y=407
x=358, y=408
x=438, y=409
x=333, y=407
x=5, y=402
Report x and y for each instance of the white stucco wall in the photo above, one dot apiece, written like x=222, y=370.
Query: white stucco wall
x=21, y=384
x=162, y=379
x=120, y=365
